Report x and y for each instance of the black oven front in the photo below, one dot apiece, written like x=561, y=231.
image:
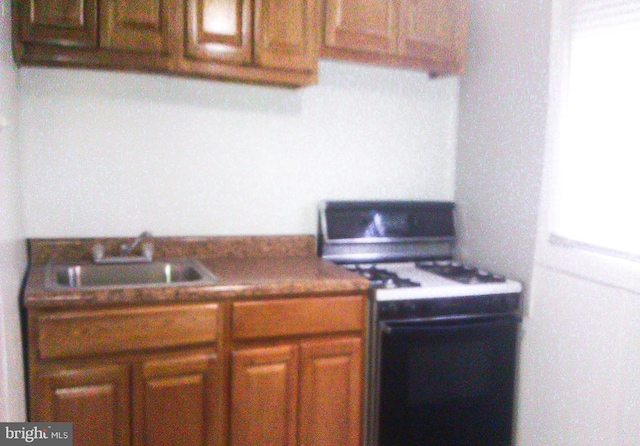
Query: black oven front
x=442, y=375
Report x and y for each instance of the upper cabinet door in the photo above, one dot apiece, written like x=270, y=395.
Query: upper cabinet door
x=424, y=34
x=70, y=23
x=219, y=30
x=144, y=26
x=361, y=25
x=434, y=31
x=287, y=34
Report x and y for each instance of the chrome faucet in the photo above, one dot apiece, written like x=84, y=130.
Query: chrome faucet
x=125, y=256
x=126, y=250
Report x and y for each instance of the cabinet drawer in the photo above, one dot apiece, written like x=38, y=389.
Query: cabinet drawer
x=94, y=332
x=303, y=316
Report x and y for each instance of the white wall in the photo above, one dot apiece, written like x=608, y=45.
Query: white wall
x=12, y=250
x=579, y=382
x=501, y=134
x=113, y=154
x=580, y=372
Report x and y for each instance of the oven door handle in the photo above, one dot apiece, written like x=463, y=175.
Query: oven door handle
x=445, y=324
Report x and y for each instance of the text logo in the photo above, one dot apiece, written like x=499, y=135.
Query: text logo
x=36, y=434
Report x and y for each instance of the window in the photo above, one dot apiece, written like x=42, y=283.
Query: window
x=595, y=184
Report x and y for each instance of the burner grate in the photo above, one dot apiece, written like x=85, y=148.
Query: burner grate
x=460, y=272
x=382, y=278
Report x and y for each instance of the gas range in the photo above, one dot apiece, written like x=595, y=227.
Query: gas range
x=442, y=335
x=405, y=248
x=432, y=279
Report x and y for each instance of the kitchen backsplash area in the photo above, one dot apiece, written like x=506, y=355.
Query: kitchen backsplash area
x=105, y=153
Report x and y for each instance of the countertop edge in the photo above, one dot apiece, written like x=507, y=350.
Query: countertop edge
x=268, y=271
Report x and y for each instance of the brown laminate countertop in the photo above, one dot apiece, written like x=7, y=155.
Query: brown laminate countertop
x=275, y=266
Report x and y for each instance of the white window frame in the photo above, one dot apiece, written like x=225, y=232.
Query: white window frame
x=550, y=251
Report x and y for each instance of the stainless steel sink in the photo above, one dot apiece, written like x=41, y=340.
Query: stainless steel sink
x=154, y=274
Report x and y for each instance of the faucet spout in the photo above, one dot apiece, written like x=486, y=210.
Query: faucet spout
x=126, y=250
x=125, y=256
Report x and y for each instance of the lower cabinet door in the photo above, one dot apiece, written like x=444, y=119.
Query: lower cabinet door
x=94, y=397
x=178, y=401
x=264, y=384
x=331, y=392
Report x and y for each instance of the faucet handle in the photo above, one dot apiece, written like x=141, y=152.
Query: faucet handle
x=147, y=251
x=98, y=251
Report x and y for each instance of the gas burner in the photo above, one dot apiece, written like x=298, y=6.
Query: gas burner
x=381, y=278
x=460, y=272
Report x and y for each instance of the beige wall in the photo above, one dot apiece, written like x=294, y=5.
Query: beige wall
x=113, y=154
x=12, y=251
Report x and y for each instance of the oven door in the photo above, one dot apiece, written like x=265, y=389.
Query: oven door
x=447, y=382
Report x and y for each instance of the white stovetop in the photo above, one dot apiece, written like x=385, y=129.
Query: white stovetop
x=434, y=286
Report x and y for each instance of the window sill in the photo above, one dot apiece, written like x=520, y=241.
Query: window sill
x=589, y=265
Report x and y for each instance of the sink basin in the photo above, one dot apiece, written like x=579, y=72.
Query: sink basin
x=168, y=273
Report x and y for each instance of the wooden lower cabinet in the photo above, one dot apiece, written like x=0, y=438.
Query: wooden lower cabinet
x=94, y=397
x=306, y=393
x=177, y=400
x=330, y=392
x=130, y=375
x=277, y=372
x=169, y=399
x=264, y=396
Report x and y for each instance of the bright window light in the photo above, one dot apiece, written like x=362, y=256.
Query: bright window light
x=596, y=201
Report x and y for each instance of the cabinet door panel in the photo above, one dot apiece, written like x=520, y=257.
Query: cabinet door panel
x=219, y=30
x=64, y=22
x=433, y=30
x=264, y=396
x=427, y=34
x=177, y=400
x=331, y=392
x=297, y=317
x=94, y=398
x=361, y=25
x=286, y=34
x=142, y=25
x=81, y=333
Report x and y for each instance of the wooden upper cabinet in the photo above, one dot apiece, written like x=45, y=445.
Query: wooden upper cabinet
x=219, y=30
x=287, y=34
x=426, y=34
x=434, y=31
x=145, y=26
x=274, y=34
x=70, y=23
x=257, y=41
x=361, y=25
